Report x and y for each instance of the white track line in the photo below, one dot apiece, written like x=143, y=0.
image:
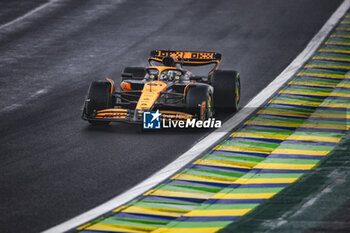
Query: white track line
x=28, y=14
x=212, y=138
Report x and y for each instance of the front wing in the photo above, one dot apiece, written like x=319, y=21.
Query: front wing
x=132, y=116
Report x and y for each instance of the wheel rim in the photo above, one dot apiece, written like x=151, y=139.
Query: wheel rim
x=209, y=107
x=206, y=108
x=237, y=91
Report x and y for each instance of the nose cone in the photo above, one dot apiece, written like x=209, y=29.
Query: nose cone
x=150, y=93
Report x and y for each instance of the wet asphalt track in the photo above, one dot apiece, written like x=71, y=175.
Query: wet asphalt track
x=53, y=165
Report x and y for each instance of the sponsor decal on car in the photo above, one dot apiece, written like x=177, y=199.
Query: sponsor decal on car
x=156, y=120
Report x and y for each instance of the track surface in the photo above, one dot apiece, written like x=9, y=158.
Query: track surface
x=53, y=165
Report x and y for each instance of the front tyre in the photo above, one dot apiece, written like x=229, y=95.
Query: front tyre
x=199, y=101
x=99, y=97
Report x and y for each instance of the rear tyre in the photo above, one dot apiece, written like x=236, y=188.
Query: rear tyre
x=227, y=90
x=99, y=97
x=137, y=73
x=199, y=101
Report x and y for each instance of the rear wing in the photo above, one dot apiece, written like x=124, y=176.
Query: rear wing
x=187, y=58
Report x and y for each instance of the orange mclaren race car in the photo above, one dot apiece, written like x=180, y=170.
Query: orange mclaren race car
x=167, y=87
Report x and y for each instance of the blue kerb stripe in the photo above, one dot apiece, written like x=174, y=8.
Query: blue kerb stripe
x=258, y=140
x=234, y=201
x=242, y=154
x=143, y=216
x=207, y=219
x=218, y=168
x=196, y=183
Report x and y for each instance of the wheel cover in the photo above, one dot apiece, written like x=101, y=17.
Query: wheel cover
x=210, y=106
x=237, y=90
x=204, y=110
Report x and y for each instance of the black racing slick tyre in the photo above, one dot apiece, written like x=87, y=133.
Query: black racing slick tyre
x=199, y=101
x=227, y=90
x=137, y=73
x=99, y=97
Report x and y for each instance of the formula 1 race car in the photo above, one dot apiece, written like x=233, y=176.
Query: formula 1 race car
x=167, y=87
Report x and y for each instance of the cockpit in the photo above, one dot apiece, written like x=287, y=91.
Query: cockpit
x=164, y=74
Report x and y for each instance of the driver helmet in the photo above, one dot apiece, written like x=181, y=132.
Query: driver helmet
x=163, y=77
x=171, y=75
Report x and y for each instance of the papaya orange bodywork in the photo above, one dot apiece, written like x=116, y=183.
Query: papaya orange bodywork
x=112, y=113
x=112, y=84
x=150, y=93
x=125, y=86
